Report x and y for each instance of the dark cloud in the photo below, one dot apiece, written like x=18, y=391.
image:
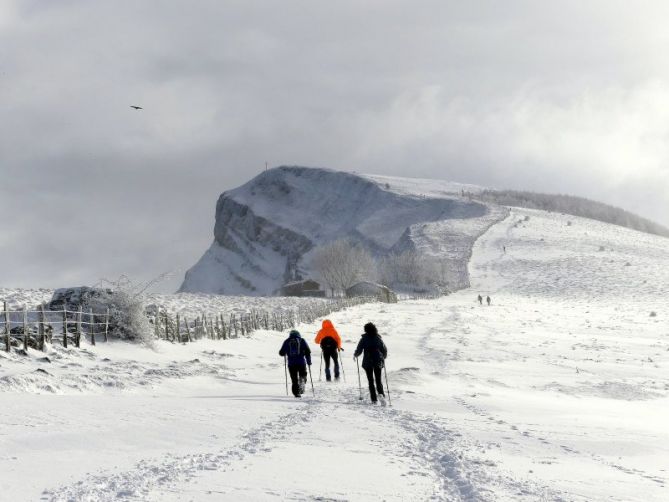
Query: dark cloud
x=566, y=97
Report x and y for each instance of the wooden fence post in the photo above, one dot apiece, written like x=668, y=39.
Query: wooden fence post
x=107, y=326
x=77, y=338
x=40, y=328
x=25, y=328
x=8, y=343
x=187, y=330
x=64, y=325
x=156, y=324
x=92, y=326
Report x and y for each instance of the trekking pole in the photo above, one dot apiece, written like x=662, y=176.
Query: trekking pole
x=359, y=383
x=341, y=363
x=285, y=369
x=312, y=381
x=320, y=368
x=385, y=372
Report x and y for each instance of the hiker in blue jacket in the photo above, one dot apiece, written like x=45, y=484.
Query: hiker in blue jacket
x=297, y=350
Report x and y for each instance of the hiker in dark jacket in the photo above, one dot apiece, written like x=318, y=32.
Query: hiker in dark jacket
x=373, y=360
x=297, y=350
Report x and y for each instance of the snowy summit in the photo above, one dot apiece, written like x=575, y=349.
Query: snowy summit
x=267, y=230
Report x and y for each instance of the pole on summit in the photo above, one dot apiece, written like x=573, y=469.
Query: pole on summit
x=285, y=369
x=359, y=383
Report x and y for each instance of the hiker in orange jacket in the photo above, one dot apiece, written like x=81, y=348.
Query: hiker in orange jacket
x=330, y=343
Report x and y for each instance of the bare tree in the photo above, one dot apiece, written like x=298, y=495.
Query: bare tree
x=412, y=270
x=341, y=264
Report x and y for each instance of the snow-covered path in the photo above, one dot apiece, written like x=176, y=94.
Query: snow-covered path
x=551, y=393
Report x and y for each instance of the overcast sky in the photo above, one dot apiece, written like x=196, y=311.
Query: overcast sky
x=569, y=97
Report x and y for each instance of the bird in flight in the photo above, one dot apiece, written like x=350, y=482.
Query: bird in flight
x=136, y=107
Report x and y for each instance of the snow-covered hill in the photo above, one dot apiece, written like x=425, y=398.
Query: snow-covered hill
x=266, y=229
x=536, y=253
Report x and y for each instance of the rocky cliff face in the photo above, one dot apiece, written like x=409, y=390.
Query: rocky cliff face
x=266, y=229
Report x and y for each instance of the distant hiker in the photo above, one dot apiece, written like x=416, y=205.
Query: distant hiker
x=330, y=343
x=373, y=360
x=488, y=300
x=480, y=300
x=504, y=249
x=297, y=350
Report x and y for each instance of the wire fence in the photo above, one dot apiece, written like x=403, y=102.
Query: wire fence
x=37, y=328
x=180, y=328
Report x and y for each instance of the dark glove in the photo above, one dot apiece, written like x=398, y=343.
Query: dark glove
x=342, y=349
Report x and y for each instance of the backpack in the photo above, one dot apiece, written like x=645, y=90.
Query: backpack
x=329, y=343
x=375, y=352
x=294, y=347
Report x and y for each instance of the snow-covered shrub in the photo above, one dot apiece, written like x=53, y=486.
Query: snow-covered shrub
x=127, y=314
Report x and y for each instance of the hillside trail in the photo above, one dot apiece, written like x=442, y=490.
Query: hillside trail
x=537, y=397
x=332, y=446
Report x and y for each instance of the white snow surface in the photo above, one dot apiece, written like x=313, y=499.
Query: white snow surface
x=422, y=187
x=557, y=391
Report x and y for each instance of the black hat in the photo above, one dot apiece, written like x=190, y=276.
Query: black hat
x=370, y=329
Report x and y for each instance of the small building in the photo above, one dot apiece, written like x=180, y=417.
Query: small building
x=366, y=288
x=307, y=287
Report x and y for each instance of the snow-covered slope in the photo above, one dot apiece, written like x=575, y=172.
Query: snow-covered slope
x=558, y=391
x=536, y=253
x=266, y=228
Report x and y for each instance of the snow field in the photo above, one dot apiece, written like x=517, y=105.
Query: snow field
x=555, y=392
